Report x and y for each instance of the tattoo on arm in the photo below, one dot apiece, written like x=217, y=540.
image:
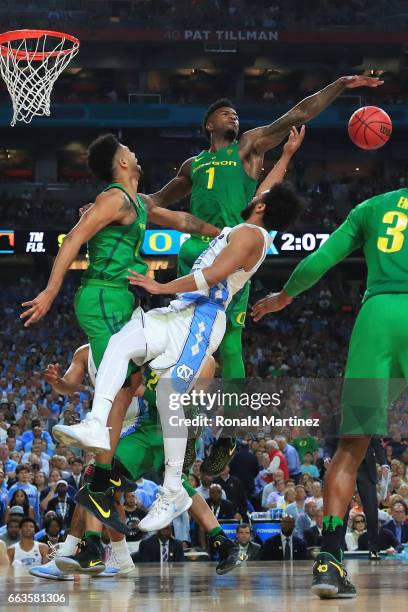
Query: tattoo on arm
x=192, y=224
x=126, y=205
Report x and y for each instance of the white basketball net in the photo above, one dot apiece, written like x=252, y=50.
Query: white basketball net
x=30, y=78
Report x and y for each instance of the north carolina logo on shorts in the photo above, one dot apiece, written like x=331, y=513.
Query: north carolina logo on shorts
x=184, y=372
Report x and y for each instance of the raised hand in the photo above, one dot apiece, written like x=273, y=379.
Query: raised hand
x=38, y=307
x=359, y=80
x=271, y=303
x=294, y=141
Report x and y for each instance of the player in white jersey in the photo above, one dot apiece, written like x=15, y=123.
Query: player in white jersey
x=27, y=552
x=176, y=340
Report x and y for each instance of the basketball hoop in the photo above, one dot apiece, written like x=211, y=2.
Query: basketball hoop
x=30, y=63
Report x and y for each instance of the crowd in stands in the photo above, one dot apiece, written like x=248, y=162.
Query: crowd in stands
x=277, y=471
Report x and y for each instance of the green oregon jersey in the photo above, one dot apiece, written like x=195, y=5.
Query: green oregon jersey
x=221, y=188
x=115, y=248
x=379, y=226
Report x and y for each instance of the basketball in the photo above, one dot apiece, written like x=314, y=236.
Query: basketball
x=370, y=127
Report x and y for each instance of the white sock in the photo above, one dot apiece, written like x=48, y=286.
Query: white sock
x=101, y=408
x=127, y=344
x=174, y=439
x=121, y=551
x=172, y=475
x=68, y=547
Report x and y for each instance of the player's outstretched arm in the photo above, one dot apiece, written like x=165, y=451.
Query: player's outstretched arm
x=108, y=207
x=179, y=220
x=277, y=174
x=72, y=380
x=260, y=140
x=243, y=251
x=178, y=188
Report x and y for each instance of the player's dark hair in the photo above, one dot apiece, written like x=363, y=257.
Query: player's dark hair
x=101, y=154
x=283, y=206
x=211, y=109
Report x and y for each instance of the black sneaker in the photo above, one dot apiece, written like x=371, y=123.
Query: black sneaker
x=102, y=506
x=228, y=553
x=121, y=483
x=374, y=556
x=330, y=579
x=223, y=450
x=87, y=560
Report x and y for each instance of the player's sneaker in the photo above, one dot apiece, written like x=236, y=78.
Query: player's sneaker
x=50, y=571
x=330, y=579
x=89, y=434
x=165, y=509
x=87, y=560
x=228, y=553
x=222, y=451
x=102, y=506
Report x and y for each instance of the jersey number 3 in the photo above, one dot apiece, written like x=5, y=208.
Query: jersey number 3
x=396, y=232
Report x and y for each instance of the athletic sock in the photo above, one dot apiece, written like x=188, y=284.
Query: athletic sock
x=332, y=536
x=121, y=552
x=214, y=532
x=172, y=476
x=100, y=478
x=68, y=547
x=101, y=408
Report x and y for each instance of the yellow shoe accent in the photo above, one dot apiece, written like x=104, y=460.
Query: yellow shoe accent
x=93, y=563
x=99, y=508
x=117, y=483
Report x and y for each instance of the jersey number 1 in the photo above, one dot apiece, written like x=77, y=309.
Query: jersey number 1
x=396, y=231
x=211, y=175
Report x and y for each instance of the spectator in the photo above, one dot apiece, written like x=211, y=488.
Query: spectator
x=221, y=508
x=134, y=513
x=271, y=487
x=291, y=456
x=307, y=466
x=245, y=467
x=36, y=433
x=204, y=488
x=304, y=443
x=27, y=551
x=53, y=531
x=235, y=492
x=285, y=546
x=20, y=498
x=317, y=493
x=276, y=498
x=387, y=541
x=62, y=504
x=24, y=475
x=43, y=458
x=9, y=466
x=357, y=528
x=161, y=548
x=313, y=535
x=298, y=506
x=277, y=459
x=74, y=480
x=307, y=519
x=398, y=525
x=11, y=535
x=193, y=480
x=41, y=533
x=248, y=550
x=398, y=445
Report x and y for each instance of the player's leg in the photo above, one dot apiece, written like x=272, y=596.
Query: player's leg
x=370, y=365
x=129, y=343
x=233, y=372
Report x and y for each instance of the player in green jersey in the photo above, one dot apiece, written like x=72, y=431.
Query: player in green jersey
x=222, y=181
x=140, y=448
x=114, y=228
x=377, y=364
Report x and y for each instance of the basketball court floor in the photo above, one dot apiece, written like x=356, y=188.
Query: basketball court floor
x=194, y=587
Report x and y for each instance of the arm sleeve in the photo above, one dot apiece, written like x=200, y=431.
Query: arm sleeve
x=346, y=239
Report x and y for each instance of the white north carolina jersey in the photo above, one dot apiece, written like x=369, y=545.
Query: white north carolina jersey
x=224, y=291
x=133, y=411
x=27, y=557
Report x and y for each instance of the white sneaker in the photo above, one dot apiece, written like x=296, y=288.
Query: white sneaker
x=89, y=434
x=166, y=508
x=50, y=571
